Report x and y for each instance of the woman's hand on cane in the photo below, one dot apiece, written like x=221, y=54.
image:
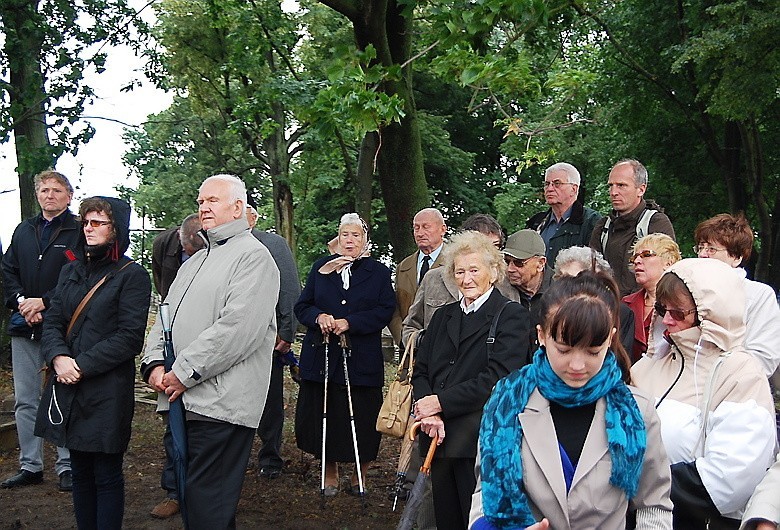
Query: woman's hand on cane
x=326, y=323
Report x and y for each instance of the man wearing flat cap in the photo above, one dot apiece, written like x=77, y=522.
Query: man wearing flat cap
x=527, y=271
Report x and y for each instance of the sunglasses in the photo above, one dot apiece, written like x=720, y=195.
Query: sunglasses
x=94, y=223
x=519, y=263
x=677, y=314
x=644, y=255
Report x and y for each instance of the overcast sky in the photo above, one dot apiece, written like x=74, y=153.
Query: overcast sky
x=97, y=169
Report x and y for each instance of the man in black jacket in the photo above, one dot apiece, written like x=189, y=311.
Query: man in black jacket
x=40, y=246
x=171, y=248
x=567, y=223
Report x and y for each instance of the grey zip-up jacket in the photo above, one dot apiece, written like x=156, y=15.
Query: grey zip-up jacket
x=222, y=305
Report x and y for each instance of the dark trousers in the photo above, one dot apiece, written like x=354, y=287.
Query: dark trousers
x=453, y=484
x=98, y=490
x=218, y=453
x=272, y=422
x=168, y=475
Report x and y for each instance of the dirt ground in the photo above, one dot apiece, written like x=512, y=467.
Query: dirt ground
x=291, y=501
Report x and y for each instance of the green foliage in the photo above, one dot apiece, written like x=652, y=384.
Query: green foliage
x=174, y=152
x=48, y=48
x=350, y=96
x=515, y=203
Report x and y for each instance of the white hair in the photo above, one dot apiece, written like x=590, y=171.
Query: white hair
x=237, y=187
x=572, y=175
x=353, y=219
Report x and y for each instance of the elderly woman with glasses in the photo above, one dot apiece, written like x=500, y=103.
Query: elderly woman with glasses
x=729, y=238
x=716, y=409
x=651, y=256
x=572, y=261
x=457, y=368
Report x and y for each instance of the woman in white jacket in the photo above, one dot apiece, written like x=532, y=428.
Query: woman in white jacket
x=717, y=415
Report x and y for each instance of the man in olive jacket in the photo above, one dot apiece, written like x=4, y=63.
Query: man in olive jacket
x=223, y=358
x=627, y=185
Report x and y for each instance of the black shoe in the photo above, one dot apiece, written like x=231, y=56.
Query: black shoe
x=66, y=481
x=23, y=478
x=270, y=472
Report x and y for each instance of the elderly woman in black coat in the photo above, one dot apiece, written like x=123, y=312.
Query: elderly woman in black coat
x=87, y=405
x=456, y=369
x=345, y=293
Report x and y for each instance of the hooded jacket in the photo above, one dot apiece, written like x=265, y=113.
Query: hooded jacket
x=95, y=414
x=717, y=419
x=223, y=311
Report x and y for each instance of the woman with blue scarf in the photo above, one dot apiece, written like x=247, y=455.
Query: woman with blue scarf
x=565, y=441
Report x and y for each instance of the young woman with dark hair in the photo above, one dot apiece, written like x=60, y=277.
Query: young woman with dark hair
x=565, y=441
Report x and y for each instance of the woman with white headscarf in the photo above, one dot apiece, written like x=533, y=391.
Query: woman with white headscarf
x=347, y=292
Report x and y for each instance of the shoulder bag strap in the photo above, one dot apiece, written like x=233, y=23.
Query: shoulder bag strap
x=88, y=296
x=407, y=361
x=493, y=326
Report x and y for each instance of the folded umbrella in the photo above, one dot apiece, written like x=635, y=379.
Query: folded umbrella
x=409, y=516
x=176, y=420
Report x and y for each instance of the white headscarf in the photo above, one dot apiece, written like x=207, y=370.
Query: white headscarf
x=343, y=264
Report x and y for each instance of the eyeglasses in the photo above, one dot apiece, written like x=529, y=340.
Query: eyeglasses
x=677, y=314
x=644, y=255
x=94, y=223
x=707, y=250
x=519, y=263
x=555, y=183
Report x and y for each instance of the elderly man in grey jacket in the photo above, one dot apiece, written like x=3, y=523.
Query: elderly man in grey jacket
x=223, y=359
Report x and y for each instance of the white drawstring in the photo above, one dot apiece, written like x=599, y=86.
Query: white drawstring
x=697, y=349
x=56, y=404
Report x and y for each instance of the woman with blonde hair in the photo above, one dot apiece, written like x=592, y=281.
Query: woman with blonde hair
x=651, y=256
x=457, y=366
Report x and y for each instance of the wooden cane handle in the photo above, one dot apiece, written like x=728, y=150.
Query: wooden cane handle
x=426, y=466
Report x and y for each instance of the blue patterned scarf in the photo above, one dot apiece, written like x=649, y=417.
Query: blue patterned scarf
x=501, y=435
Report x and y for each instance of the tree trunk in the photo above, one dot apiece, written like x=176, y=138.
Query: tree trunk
x=732, y=164
x=277, y=152
x=754, y=172
x=382, y=24
x=23, y=45
x=364, y=179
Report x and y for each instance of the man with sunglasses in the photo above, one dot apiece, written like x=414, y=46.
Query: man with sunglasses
x=40, y=246
x=567, y=223
x=528, y=273
x=631, y=218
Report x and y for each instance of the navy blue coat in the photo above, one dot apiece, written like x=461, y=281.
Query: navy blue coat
x=367, y=305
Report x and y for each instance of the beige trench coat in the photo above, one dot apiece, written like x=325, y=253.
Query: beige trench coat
x=592, y=501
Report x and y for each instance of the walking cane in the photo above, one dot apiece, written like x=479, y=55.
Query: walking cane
x=325, y=338
x=345, y=348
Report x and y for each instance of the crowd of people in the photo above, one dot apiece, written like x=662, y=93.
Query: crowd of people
x=579, y=373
